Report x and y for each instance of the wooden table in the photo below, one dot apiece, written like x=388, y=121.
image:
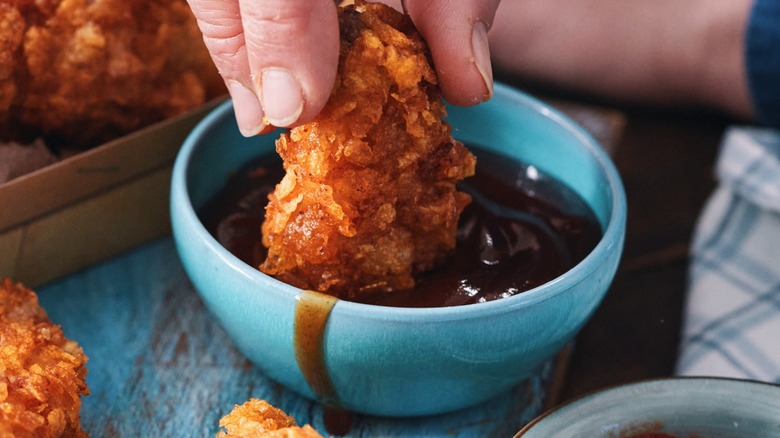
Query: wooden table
x=666, y=160
x=161, y=366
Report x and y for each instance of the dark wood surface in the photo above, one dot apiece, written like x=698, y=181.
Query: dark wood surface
x=666, y=160
x=160, y=366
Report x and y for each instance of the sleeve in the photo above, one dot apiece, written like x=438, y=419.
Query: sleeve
x=763, y=60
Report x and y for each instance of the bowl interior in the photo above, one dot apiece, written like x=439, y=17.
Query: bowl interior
x=536, y=134
x=220, y=153
x=682, y=407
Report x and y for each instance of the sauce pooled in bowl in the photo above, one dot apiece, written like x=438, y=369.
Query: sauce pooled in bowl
x=522, y=229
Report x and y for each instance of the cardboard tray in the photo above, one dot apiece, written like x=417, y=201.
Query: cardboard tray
x=92, y=205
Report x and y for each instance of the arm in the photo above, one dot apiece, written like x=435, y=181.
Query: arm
x=658, y=52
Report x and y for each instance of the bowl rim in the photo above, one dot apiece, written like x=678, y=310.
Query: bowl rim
x=670, y=383
x=611, y=239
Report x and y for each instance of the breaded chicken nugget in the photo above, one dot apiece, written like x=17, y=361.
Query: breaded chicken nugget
x=80, y=72
x=258, y=419
x=41, y=371
x=369, y=196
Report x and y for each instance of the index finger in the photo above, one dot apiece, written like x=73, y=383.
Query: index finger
x=292, y=50
x=456, y=32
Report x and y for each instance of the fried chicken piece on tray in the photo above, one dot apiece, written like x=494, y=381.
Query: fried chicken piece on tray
x=86, y=71
x=369, y=196
x=259, y=419
x=41, y=371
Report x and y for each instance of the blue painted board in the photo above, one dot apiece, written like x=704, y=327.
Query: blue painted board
x=160, y=365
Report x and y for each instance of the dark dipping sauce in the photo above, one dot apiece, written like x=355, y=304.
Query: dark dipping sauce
x=522, y=229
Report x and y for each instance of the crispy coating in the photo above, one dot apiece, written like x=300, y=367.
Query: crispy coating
x=84, y=71
x=259, y=419
x=369, y=196
x=41, y=371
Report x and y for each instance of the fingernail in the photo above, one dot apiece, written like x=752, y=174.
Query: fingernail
x=249, y=113
x=282, y=97
x=481, y=50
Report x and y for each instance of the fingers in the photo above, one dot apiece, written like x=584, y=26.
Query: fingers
x=456, y=32
x=278, y=58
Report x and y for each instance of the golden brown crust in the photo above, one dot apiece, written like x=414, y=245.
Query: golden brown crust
x=11, y=35
x=369, y=196
x=258, y=419
x=85, y=71
x=41, y=371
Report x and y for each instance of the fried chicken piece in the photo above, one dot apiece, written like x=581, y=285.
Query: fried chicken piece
x=41, y=371
x=369, y=196
x=84, y=71
x=11, y=34
x=259, y=419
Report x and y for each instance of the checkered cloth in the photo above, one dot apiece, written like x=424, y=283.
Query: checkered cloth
x=732, y=318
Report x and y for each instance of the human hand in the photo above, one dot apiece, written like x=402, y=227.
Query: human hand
x=279, y=57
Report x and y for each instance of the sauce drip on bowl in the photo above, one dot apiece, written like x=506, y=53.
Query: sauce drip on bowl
x=522, y=229
x=312, y=310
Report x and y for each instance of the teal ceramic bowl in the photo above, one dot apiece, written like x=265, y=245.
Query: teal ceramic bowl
x=398, y=361
x=686, y=407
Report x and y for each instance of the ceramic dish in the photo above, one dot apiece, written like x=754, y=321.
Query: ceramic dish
x=680, y=407
x=399, y=361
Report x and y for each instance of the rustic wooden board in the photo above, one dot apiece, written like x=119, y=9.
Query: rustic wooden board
x=160, y=365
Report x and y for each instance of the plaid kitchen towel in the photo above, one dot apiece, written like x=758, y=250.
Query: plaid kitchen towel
x=732, y=316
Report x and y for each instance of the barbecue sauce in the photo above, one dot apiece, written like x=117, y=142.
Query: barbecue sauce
x=522, y=229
